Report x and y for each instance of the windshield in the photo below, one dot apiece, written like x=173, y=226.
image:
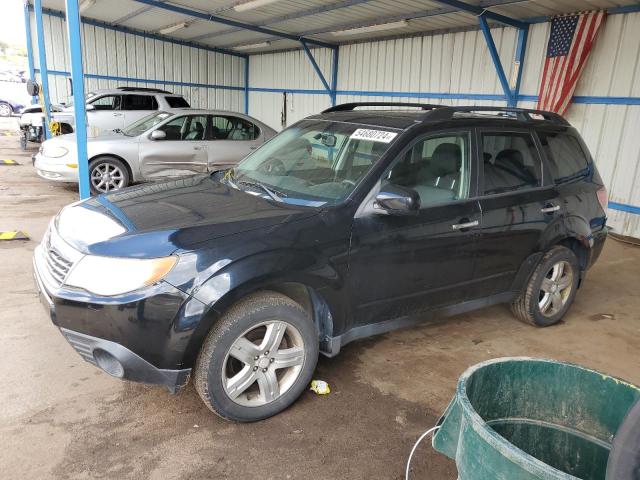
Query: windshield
x=145, y=123
x=315, y=162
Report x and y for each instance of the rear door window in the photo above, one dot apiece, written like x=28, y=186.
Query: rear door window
x=511, y=162
x=139, y=102
x=567, y=160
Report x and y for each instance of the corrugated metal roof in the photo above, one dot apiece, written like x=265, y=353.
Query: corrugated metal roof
x=316, y=19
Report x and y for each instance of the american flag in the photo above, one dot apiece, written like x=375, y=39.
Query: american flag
x=570, y=42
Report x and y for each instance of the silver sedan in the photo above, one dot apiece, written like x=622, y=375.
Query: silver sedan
x=169, y=143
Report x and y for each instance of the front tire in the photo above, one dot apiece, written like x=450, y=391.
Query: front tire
x=5, y=110
x=550, y=290
x=107, y=174
x=257, y=359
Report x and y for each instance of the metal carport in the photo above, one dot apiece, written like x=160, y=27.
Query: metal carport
x=254, y=44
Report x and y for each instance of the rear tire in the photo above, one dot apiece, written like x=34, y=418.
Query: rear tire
x=107, y=174
x=551, y=289
x=258, y=358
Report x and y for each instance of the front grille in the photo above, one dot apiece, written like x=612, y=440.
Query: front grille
x=58, y=265
x=80, y=345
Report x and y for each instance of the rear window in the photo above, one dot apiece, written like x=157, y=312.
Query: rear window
x=567, y=159
x=177, y=102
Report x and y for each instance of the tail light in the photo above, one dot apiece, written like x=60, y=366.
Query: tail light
x=603, y=198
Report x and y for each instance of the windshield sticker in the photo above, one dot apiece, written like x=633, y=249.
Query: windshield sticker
x=373, y=135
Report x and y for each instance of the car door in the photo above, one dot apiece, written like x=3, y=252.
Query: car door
x=136, y=106
x=517, y=207
x=232, y=138
x=182, y=151
x=400, y=265
x=105, y=112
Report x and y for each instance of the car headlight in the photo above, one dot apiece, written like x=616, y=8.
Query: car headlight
x=54, y=151
x=110, y=276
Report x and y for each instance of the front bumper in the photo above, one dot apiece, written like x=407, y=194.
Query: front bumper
x=120, y=362
x=125, y=321
x=52, y=169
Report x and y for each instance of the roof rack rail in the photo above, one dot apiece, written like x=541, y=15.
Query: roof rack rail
x=141, y=89
x=445, y=112
x=346, y=107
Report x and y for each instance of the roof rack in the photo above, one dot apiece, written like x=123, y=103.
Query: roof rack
x=346, y=107
x=445, y=112
x=141, y=89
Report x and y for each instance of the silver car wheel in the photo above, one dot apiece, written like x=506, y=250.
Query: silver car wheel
x=263, y=363
x=556, y=288
x=5, y=110
x=106, y=177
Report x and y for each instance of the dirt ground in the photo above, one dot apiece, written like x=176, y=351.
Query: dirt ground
x=62, y=418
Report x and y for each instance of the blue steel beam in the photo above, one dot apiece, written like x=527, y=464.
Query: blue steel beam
x=44, y=71
x=521, y=50
x=284, y=18
x=465, y=7
x=433, y=12
x=246, y=85
x=496, y=60
x=140, y=33
x=231, y=23
x=77, y=79
x=316, y=67
x=27, y=29
x=334, y=77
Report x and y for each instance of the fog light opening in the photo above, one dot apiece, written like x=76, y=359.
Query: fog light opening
x=108, y=363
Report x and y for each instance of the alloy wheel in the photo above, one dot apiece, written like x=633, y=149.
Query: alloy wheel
x=106, y=177
x=263, y=363
x=5, y=110
x=556, y=288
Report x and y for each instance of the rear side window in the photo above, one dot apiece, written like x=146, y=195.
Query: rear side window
x=139, y=102
x=511, y=162
x=177, y=102
x=566, y=158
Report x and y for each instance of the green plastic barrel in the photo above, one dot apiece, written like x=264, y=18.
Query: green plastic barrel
x=525, y=418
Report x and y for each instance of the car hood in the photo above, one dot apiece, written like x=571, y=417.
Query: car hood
x=156, y=219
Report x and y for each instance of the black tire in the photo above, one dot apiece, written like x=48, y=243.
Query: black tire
x=108, y=162
x=624, y=459
x=527, y=306
x=6, y=110
x=246, y=314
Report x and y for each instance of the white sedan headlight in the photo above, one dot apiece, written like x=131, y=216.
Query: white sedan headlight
x=110, y=276
x=54, y=151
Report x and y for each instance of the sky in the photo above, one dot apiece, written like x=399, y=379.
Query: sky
x=12, y=22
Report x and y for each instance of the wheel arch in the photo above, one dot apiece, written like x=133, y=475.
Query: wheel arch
x=309, y=297
x=118, y=157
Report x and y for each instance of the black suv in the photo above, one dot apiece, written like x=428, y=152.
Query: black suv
x=348, y=224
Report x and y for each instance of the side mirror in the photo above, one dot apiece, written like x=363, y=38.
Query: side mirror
x=89, y=108
x=158, y=135
x=397, y=200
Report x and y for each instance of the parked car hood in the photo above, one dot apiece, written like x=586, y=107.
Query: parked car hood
x=156, y=219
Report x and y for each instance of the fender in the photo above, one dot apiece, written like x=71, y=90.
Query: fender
x=324, y=282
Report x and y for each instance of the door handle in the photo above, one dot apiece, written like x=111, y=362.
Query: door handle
x=117, y=114
x=462, y=226
x=550, y=208
x=253, y=148
x=198, y=147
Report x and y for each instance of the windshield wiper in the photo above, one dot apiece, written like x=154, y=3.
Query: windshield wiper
x=274, y=196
